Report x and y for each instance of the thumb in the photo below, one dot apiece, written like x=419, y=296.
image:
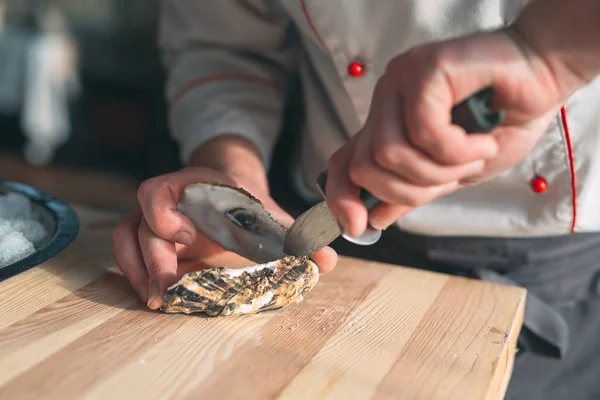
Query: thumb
x=326, y=258
x=278, y=213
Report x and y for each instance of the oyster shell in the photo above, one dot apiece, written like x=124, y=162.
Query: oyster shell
x=239, y=223
x=235, y=219
x=222, y=291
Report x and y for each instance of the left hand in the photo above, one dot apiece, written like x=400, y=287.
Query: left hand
x=409, y=153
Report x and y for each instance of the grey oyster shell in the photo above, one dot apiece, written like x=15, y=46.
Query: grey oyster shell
x=239, y=223
x=235, y=219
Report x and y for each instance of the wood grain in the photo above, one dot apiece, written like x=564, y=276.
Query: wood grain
x=71, y=317
x=73, y=328
x=291, y=339
x=375, y=331
x=81, y=264
x=461, y=360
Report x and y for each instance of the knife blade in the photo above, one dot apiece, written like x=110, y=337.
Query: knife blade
x=317, y=227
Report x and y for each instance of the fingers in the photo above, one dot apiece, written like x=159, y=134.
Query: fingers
x=342, y=194
x=392, y=189
x=418, y=169
x=128, y=255
x=158, y=198
x=429, y=96
x=160, y=259
x=391, y=151
x=385, y=214
x=431, y=130
x=447, y=144
x=326, y=259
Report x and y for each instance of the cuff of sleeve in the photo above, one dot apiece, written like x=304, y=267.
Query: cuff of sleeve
x=194, y=121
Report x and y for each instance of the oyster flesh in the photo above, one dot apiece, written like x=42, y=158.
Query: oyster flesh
x=239, y=223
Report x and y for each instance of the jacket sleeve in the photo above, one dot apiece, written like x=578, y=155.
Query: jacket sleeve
x=228, y=64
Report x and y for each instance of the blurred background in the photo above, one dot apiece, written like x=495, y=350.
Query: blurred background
x=82, y=107
x=99, y=85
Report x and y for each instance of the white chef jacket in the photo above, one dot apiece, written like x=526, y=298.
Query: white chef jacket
x=229, y=63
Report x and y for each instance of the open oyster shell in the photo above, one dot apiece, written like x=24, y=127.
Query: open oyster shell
x=239, y=223
x=235, y=219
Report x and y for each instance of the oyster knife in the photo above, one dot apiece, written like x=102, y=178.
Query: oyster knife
x=317, y=227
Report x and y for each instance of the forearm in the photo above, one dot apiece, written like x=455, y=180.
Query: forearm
x=228, y=65
x=567, y=35
x=234, y=156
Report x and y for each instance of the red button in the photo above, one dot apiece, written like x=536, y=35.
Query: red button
x=356, y=69
x=539, y=185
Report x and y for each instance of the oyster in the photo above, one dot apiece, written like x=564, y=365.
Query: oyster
x=239, y=223
x=235, y=219
x=222, y=291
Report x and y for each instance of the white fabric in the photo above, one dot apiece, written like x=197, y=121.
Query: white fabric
x=49, y=84
x=202, y=38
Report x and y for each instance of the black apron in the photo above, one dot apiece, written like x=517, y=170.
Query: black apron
x=559, y=345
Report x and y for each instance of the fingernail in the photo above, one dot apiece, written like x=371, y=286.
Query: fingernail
x=449, y=186
x=383, y=224
x=184, y=238
x=492, y=152
x=379, y=225
x=154, y=301
x=475, y=167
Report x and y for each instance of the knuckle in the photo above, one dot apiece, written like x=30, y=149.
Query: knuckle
x=387, y=156
x=357, y=174
x=440, y=59
x=146, y=188
x=413, y=199
x=154, y=269
x=447, y=154
x=150, y=187
x=160, y=227
x=434, y=144
x=427, y=177
x=409, y=196
x=419, y=133
x=420, y=137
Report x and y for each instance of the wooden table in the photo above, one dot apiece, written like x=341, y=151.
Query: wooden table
x=72, y=328
x=72, y=185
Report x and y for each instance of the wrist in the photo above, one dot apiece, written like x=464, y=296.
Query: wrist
x=233, y=156
x=566, y=36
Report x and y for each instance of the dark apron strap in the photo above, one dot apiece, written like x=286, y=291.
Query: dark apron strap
x=540, y=321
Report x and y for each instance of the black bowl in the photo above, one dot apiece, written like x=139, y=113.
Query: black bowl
x=60, y=222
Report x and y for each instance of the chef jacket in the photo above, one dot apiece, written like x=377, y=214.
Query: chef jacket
x=229, y=64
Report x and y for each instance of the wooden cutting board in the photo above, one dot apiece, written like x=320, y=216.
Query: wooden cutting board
x=72, y=328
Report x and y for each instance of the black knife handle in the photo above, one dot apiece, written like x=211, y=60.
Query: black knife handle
x=473, y=115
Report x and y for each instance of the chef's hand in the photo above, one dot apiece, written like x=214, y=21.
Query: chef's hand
x=150, y=240
x=408, y=153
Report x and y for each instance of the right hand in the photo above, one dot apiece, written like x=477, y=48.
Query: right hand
x=150, y=240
